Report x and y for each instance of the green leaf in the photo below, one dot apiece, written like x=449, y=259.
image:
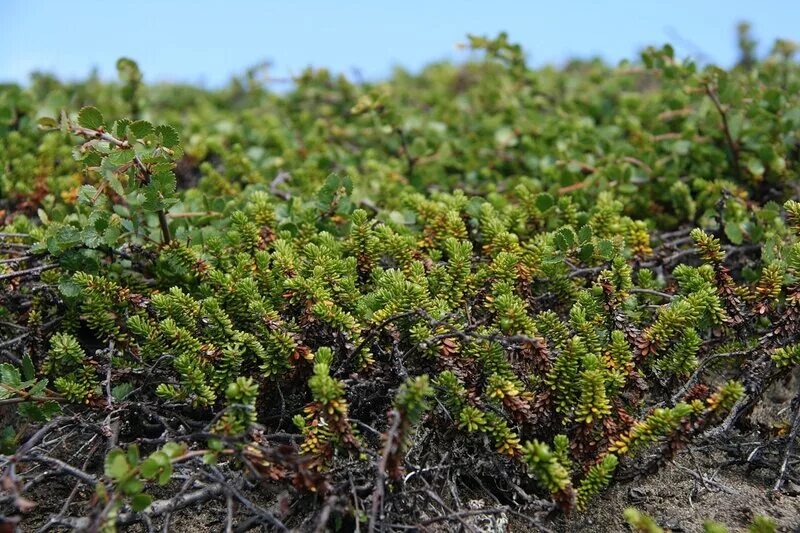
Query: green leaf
x=39, y=412
x=544, y=201
x=39, y=388
x=160, y=191
x=210, y=458
x=133, y=454
x=30, y=411
x=68, y=288
x=605, y=248
x=121, y=157
x=28, y=370
x=10, y=375
x=333, y=193
x=87, y=194
x=149, y=468
x=734, y=232
x=90, y=238
x=164, y=476
x=565, y=238
x=67, y=236
x=131, y=486
x=91, y=118
x=586, y=252
x=109, y=170
x=119, y=392
x=50, y=409
x=141, y=501
x=140, y=129
x=165, y=182
x=120, y=127
x=755, y=166
x=116, y=464
x=169, y=136
x=111, y=235
x=173, y=450
x=584, y=234
x=8, y=441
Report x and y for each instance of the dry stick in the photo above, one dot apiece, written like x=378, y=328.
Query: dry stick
x=41, y=433
x=53, y=521
x=23, y=336
x=652, y=293
x=61, y=465
x=451, y=514
x=266, y=516
x=229, y=514
x=790, y=444
x=281, y=178
x=22, y=399
x=157, y=508
x=14, y=245
x=324, y=515
x=670, y=234
x=16, y=259
x=186, y=484
x=461, y=514
x=28, y=272
x=377, y=494
x=193, y=214
x=699, y=372
x=15, y=340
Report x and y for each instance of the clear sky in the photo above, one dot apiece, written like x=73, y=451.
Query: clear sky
x=206, y=42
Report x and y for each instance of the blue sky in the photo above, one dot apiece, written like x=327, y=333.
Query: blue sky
x=206, y=42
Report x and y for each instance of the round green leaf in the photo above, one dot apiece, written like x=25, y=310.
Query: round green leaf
x=91, y=118
x=141, y=501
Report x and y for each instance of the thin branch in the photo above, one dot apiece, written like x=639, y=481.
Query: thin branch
x=789, y=445
x=380, y=482
x=28, y=272
x=652, y=293
x=732, y=145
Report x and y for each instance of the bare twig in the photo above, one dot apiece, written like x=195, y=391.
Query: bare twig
x=789, y=445
x=380, y=481
x=28, y=271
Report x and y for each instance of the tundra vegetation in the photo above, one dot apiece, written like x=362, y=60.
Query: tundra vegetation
x=348, y=305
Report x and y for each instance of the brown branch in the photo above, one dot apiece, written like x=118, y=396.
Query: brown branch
x=377, y=494
x=23, y=399
x=732, y=145
x=195, y=214
x=410, y=161
x=789, y=445
x=157, y=508
x=61, y=466
x=652, y=292
x=28, y=272
x=463, y=514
